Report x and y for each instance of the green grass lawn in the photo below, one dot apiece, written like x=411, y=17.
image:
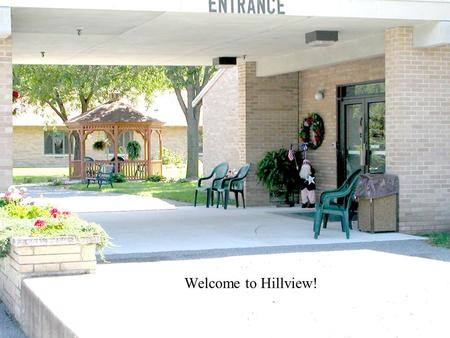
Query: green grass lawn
x=38, y=175
x=441, y=239
x=182, y=192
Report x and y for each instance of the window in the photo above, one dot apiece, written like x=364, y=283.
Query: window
x=56, y=143
x=124, y=138
x=363, y=89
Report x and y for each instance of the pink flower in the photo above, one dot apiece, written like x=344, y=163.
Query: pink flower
x=66, y=213
x=39, y=223
x=54, y=211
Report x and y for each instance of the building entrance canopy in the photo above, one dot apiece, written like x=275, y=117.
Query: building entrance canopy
x=196, y=31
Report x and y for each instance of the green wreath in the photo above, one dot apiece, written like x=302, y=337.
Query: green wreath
x=312, y=131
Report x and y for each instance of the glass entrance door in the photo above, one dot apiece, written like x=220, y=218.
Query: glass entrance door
x=361, y=135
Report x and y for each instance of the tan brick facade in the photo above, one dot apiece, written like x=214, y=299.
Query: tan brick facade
x=6, y=144
x=28, y=146
x=38, y=257
x=418, y=129
x=271, y=119
x=220, y=115
x=246, y=116
x=328, y=78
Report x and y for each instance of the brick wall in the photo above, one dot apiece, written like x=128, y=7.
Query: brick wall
x=270, y=107
x=328, y=78
x=28, y=146
x=6, y=142
x=38, y=257
x=418, y=129
x=28, y=149
x=221, y=123
x=245, y=116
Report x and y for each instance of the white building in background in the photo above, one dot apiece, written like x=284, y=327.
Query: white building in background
x=40, y=138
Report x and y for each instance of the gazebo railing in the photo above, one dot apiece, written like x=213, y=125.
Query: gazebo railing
x=133, y=170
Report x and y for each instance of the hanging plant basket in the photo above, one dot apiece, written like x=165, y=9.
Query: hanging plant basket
x=99, y=145
x=133, y=150
x=312, y=131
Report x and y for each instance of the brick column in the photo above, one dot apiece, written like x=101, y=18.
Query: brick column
x=6, y=131
x=418, y=129
x=268, y=109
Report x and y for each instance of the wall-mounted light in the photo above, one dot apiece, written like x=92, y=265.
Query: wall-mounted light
x=79, y=30
x=43, y=54
x=319, y=95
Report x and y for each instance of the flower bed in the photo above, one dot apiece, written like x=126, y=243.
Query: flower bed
x=38, y=241
x=19, y=219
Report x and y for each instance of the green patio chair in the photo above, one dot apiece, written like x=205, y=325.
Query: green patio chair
x=104, y=175
x=337, y=202
x=217, y=175
x=234, y=184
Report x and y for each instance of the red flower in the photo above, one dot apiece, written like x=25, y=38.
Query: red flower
x=15, y=94
x=39, y=223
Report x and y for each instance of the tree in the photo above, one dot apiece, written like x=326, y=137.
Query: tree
x=187, y=82
x=82, y=87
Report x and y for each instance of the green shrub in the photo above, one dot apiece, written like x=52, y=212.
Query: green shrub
x=171, y=157
x=25, y=211
x=119, y=178
x=156, y=178
x=183, y=180
x=56, y=181
x=27, y=180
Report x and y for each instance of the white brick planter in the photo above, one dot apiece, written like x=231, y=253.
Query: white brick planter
x=37, y=257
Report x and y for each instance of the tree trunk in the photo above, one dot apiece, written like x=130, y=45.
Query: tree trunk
x=192, y=147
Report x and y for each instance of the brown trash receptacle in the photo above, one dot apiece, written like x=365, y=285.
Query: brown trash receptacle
x=378, y=203
x=378, y=214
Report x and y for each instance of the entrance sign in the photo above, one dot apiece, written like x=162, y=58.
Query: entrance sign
x=247, y=6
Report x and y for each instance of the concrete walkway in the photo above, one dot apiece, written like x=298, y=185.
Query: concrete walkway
x=8, y=327
x=145, y=225
x=94, y=201
x=370, y=281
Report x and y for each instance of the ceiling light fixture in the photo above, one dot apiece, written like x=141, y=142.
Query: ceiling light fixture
x=321, y=38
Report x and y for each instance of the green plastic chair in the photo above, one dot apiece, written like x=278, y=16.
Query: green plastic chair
x=330, y=205
x=219, y=172
x=234, y=184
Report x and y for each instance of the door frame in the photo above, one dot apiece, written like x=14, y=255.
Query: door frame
x=341, y=145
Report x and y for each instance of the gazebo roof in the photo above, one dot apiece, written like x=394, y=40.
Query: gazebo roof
x=114, y=112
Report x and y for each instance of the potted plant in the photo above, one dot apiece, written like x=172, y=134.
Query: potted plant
x=279, y=175
x=133, y=150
